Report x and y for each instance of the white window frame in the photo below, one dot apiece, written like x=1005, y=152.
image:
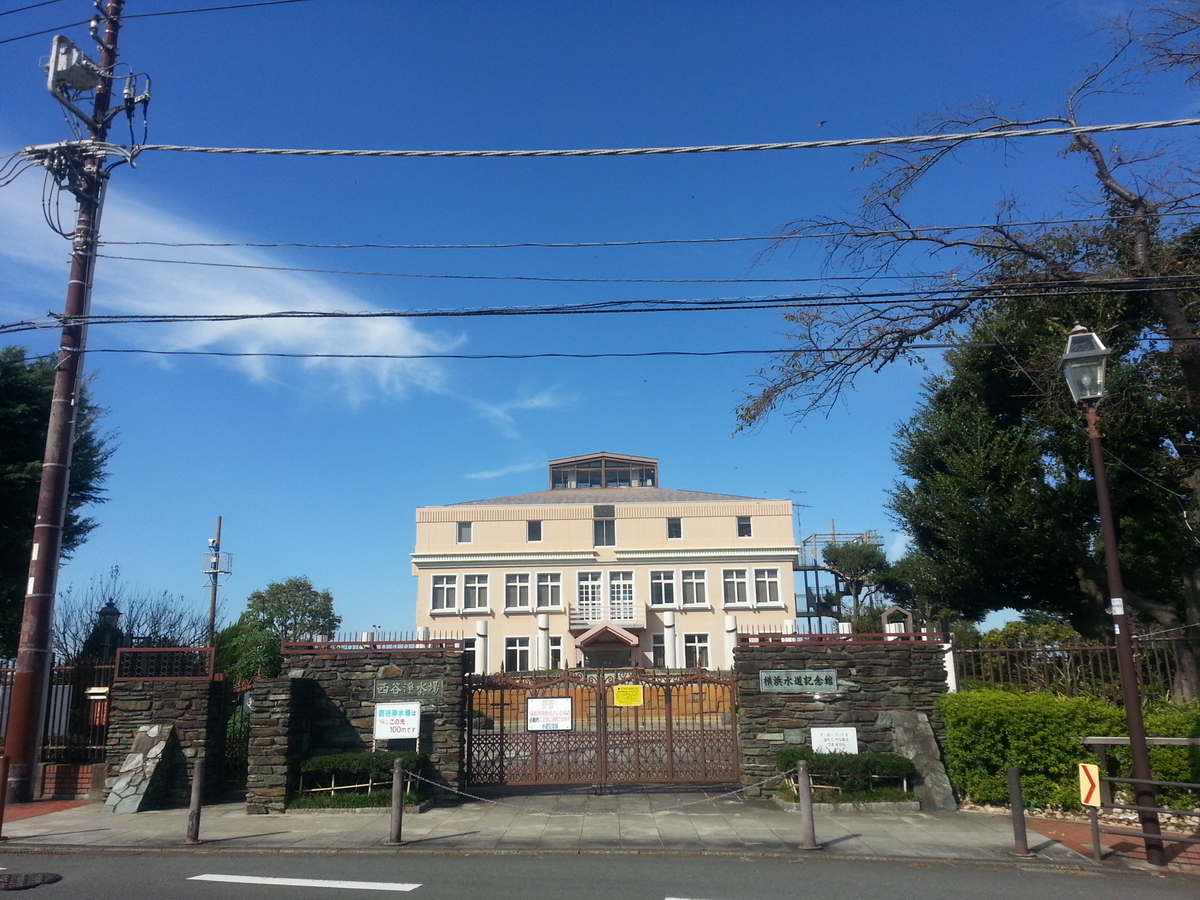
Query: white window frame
x=658, y=651
x=735, y=589
x=679, y=523
x=748, y=521
x=662, y=590
x=529, y=529
x=445, y=587
x=688, y=578
x=622, y=591
x=520, y=647
x=556, y=652
x=512, y=580
x=553, y=585
x=696, y=653
x=766, y=582
x=475, y=591
x=464, y=532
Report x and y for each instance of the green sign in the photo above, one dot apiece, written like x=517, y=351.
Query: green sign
x=408, y=688
x=797, y=681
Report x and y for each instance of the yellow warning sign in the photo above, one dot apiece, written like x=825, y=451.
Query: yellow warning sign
x=1089, y=784
x=628, y=695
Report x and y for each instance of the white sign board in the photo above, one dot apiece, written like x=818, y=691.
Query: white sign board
x=548, y=714
x=397, y=721
x=835, y=740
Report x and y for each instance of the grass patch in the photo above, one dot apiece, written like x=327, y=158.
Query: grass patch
x=351, y=800
x=787, y=792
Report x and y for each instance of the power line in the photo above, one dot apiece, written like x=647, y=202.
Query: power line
x=716, y=304
x=9, y=12
x=883, y=232
x=153, y=15
x=995, y=134
x=571, y=280
x=485, y=356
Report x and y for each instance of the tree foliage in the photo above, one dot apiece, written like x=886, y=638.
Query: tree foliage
x=998, y=495
x=26, y=387
x=858, y=565
x=284, y=611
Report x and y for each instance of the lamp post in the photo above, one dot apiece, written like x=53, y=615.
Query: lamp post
x=1083, y=365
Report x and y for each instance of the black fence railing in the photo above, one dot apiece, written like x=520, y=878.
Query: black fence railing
x=1071, y=671
x=76, y=726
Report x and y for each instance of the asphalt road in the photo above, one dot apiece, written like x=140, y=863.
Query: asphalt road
x=149, y=876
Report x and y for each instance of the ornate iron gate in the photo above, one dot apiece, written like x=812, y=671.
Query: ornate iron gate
x=684, y=729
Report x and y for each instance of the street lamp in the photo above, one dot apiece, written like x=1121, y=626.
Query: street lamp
x=1083, y=365
x=108, y=615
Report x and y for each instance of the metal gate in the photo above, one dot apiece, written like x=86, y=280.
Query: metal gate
x=683, y=730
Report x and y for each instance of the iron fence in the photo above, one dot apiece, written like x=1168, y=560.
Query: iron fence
x=1071, y=671
x=76, y=725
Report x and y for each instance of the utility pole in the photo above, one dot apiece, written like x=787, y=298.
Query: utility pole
x=216, y=564
x=35, y=659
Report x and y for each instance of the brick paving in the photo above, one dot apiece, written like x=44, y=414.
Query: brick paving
x=1078, y=837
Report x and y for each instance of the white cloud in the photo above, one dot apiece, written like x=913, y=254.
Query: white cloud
x=507, y=470
x=36, y=264
x=501, y=414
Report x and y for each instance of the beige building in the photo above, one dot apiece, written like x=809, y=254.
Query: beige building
x=605, y=568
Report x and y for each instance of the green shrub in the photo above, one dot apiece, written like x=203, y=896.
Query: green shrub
x=852, y=772
x=989, y=731
x=355, y=800
x=1169, y=763
x=377, y=764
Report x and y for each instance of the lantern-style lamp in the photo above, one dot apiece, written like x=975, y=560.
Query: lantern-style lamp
x=108, y=616
x=1083, y=365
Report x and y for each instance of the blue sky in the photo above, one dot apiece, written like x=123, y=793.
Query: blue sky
x=316, y=466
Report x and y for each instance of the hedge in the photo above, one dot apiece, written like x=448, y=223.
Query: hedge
x=378, y=764
x=852, y=772
x=989, y=731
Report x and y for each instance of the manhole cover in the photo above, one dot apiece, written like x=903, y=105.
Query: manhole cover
x=20, y=881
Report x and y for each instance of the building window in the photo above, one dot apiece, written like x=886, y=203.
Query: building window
x=556, y=648
x=475, y=592
x=662, y=588
x=589, y=589
x=766, y=586
x=469, y=654
x=674, y=528
x=658, y=651
x=549, y=590
x=516, y=592
x=694, y=593
x=464, y=532
x=735, y=587
x=444, y=590
x=516, y=654
x=695, y=651
x=743, y=526
x=533, y=530
x=620, y=596
x=604, y=532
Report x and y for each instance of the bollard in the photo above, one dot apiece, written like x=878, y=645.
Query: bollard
x=1016, y=802
x=397, y=823
x=193, y=826
x=1097, y=847
x=3, y=792
x=808, y=830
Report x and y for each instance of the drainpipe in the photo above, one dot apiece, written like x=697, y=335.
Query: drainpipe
x=481, y=647
x=670, y=651
x=730, y=641
x=543, y=641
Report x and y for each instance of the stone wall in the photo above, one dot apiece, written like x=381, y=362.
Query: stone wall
x=326, y=705
x=199, y=711
x=873, y=680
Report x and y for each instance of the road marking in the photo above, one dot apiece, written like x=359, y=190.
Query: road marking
x=309, y=882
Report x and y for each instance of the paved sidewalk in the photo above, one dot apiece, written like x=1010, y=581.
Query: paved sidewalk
x=634, y=821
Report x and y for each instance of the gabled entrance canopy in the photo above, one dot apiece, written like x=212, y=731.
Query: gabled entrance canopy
x=606, y=633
